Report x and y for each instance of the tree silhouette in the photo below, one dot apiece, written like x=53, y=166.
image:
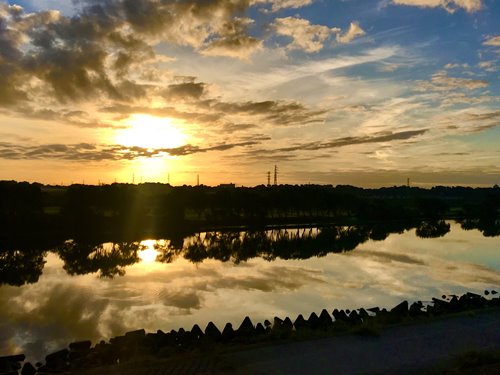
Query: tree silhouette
x=21, y=267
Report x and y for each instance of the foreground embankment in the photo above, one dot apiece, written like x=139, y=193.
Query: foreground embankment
x=407, y=337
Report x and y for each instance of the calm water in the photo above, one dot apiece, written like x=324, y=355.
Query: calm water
x=60, y=308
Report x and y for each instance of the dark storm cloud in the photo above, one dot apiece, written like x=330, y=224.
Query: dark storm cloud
x=92, y=152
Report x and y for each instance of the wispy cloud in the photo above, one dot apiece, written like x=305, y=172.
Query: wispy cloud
x=450, y=5
x=95, y=152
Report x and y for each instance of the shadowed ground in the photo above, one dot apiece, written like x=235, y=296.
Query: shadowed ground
x=405, y=349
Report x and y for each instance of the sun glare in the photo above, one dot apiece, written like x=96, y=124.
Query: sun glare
x=149, y=254
x=150, y=132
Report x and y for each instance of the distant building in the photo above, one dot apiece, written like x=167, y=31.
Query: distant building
x=227, y=186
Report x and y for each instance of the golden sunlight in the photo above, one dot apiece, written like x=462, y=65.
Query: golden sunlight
x=149, y=253
x=150, y=132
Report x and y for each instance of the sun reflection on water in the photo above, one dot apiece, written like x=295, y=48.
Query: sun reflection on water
x=149, y=253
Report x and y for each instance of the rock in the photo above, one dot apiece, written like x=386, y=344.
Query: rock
x=140, y=333
x=197, y=332
x=227, y=332
x=77, y=355
x=8, y=367
x=57, y=361
x=473, y=300
x=400, y=310
x=300, y=323
x=246, y=328
x=118, y=341
x=486, y=292
x=80, y=345
x=259, y=329
x=325, y=320
x=212, y=331
x=267, y=324
x=354, y=317
x=374, y=310
x=440, y=305
x=416, y=309
x=28, y=369
x=166, y=340
x=494, y=292
x=14, y=358
x=363, y=314
x=340, y=316
x=313, y=321
x=61, y=355
x=287, y=324
x=187, y=339
x=278, y=323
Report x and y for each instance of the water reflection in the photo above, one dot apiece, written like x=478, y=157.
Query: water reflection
x=259, y=273
x=23, y=263
x=108, y=259
x=21, y=267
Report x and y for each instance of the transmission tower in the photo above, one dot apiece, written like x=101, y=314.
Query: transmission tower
x=275, y=175
x=268, y=178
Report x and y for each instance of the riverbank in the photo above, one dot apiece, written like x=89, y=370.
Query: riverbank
x=323, y=340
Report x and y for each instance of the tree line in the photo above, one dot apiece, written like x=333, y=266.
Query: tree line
x=149, y=209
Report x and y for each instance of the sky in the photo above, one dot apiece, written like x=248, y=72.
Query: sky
x=360, y=92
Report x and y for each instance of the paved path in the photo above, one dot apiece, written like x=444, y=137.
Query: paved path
x=406, y=349
x=402, y=349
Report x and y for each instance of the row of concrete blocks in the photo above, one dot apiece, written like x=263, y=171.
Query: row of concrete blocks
x=123, y=348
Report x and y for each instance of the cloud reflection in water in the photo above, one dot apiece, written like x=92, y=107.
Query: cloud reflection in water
x=60, y=308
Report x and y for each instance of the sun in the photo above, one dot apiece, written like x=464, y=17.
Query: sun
x=150, y=132
x=149, y=253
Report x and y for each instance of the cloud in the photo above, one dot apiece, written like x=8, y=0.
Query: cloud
x=354, y=31
x=185, y=90
x=348, y=141
x=55, y=315
x=386, y=257
x=92, y=53
x=94, y=152
x=453, y=98
x=455, y=66
x=305, y=36
x=234, y=41
x=311, y=38
x=442, y=82
x=492, y=41
x=451, y=6
x=185, y=300
x=284, y=4
x=279, y=113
